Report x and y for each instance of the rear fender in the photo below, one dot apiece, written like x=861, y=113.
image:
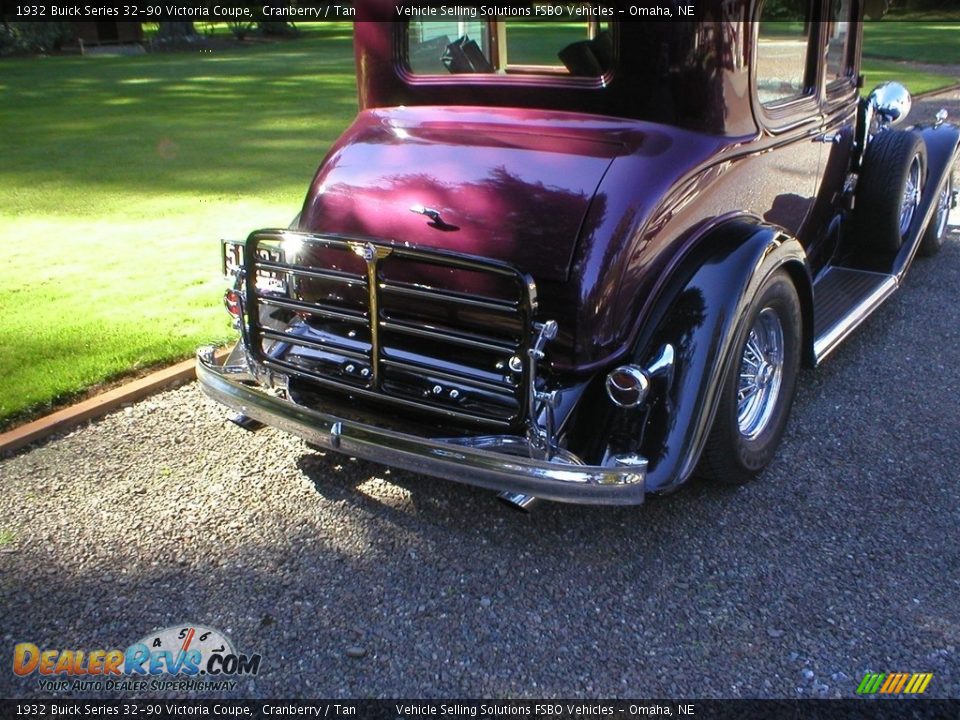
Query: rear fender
x=698, y=311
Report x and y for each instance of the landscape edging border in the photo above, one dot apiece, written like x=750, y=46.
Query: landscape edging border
x=99, y=405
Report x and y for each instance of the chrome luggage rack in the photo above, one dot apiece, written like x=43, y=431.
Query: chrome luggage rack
x=341, y=313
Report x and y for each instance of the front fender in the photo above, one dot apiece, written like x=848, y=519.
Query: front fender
x=943, y=144
x=699, y=314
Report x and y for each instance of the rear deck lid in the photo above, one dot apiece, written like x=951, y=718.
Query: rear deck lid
x=511, y=185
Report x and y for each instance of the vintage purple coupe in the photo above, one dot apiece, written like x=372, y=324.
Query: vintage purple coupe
x=582, y=261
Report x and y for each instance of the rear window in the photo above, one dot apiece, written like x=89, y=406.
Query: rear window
x=471, y=45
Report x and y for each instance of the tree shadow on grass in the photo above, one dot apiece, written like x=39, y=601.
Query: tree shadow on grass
x=237, y=122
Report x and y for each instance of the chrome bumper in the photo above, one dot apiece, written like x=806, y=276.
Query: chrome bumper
x=561, y=482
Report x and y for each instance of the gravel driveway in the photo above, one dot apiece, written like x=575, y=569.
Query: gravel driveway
x=354, y=580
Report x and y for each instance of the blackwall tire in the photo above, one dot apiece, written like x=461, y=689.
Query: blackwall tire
x=758, y=391
x=889, y=190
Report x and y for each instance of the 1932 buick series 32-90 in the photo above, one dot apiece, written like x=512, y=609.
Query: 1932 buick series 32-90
x=581, y=261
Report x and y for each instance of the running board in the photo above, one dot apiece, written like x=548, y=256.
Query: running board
x=842, y=299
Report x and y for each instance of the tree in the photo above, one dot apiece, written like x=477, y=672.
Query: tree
x=176, y=30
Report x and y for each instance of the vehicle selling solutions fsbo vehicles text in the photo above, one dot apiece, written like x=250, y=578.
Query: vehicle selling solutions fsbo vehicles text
x=541, y=11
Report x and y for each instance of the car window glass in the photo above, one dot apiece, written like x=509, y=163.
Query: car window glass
x=469, y=45
x=782, y=43
x=839, y=34
x=580, y=48
x=435, y=48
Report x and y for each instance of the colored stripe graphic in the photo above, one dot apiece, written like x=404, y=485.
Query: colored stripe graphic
x=918, y=683
x=894, y=683
x=870, y=683
x=891, y=683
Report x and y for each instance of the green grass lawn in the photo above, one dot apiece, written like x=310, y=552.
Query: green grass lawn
x=119, y=176
x=876, y=71
x=915, y=38
x=889, y=42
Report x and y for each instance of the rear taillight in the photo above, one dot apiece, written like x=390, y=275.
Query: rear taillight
x=232, y=301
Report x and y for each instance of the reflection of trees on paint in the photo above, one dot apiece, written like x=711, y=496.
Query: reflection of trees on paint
x=537, y=209
x=682, y=328
x=684, y=85
x=500, y=215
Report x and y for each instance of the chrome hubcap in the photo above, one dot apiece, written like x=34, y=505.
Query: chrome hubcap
x=911, y=196
x=761, y=372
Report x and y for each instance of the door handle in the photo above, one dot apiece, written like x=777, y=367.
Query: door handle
x=829, y=138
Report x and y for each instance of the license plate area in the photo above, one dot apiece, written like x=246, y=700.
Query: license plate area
x=233, y=260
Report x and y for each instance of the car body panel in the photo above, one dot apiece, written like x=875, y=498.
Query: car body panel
x=505, y=184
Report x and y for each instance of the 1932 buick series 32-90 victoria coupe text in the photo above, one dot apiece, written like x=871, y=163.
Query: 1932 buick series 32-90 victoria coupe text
x=581, y=261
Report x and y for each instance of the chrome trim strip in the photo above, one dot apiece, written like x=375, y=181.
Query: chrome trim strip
x=313, y=308
x=312, y=344
x=561, y=482
x=312, y=273
x=448, y=297
x=454, y=337
x=836, y=333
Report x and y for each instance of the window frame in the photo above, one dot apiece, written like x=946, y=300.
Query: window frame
x=795, y=110
x=842, y=86
x=512, y=74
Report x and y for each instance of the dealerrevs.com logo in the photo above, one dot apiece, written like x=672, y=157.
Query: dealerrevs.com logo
x=182, y=657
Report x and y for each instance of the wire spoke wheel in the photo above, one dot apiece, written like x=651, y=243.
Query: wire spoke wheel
x=943, y=210
x=911, y=196
x=761, y=373
x=758, y=386
x=936, y=231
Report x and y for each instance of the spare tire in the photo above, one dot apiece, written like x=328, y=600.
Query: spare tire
x=889, y=190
